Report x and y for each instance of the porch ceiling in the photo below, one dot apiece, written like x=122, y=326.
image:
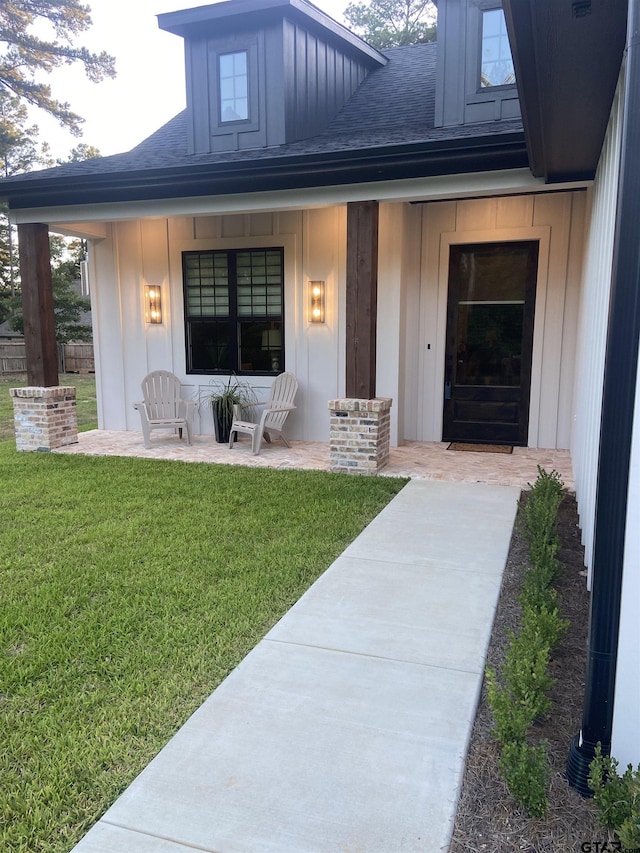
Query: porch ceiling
x=567, y=56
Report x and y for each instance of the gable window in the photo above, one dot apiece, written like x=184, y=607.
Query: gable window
x=233, y=83
x=234, y=310
x=496, y=62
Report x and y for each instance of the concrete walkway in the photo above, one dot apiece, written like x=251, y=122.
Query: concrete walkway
x=346, y=728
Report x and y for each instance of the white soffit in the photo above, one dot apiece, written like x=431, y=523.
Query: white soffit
x=80, y=230
x=439, y=188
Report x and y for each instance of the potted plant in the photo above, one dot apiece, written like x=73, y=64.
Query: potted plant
x=222, y=398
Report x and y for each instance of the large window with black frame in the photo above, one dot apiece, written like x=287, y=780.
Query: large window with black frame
x=234, y=310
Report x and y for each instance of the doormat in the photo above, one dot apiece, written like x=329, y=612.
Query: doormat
x=481, y=448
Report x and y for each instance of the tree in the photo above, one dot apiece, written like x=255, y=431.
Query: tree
x=393, y=23
x=82, y=151
x=19, y=152
x=24, y=53
x=19, y=149
x=69, y=306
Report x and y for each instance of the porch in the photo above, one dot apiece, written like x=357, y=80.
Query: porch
x=421, y=460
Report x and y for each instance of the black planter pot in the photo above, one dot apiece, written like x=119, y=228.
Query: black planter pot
x=222, y=420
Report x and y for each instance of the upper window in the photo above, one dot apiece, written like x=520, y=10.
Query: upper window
x=496, y=63
x=234, y=311
x=233, y=81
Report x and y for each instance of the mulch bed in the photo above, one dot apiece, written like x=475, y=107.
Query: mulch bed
x=488, y=818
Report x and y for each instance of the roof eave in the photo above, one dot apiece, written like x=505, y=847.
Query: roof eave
x=505, y=151
x=225, y=16
x=565, y=92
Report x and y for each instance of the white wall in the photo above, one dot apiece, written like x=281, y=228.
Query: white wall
x=592, y=328
x=556, y=220
x=591, y=346
x=414, y=243
x=106, y=316
x=149, y=251
x=398, y=275
x=626, y=709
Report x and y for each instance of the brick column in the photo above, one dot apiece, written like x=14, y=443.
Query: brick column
x=359, y=435
x=44, y=418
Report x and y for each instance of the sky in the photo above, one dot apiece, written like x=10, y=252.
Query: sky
x=149, y=87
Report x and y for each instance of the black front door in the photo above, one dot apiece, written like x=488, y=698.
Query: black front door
x=489, y=342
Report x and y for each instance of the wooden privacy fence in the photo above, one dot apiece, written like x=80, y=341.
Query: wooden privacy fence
x=72, y=358
x=12, y=358
x=76, y=358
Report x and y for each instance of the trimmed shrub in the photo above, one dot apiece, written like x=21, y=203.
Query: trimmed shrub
x=525, y=770
x=522, y=697
x=617, y=798
x=537, y=592
x=543, y=626
x=511, y=718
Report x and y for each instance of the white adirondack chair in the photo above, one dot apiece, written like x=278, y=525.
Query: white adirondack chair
x=276, y=410
x=163, y=407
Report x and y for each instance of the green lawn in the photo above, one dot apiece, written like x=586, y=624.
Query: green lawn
x=85, y=385
x=129, y=588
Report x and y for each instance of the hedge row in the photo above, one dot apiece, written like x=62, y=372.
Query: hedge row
x=520, y=695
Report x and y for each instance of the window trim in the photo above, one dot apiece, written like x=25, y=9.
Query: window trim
x=234, y=319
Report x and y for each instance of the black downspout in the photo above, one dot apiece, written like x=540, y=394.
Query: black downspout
x=621, y=367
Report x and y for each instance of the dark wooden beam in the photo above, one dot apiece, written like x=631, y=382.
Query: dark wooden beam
x=37, y=305
x=362, y=298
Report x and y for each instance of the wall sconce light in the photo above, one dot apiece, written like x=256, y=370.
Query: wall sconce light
x=152, y=303
x=316, y=301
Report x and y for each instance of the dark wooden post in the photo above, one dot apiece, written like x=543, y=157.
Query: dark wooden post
x=362, y=297
x=37, y=305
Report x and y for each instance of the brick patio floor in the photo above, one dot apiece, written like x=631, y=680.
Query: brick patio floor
x=415, y=459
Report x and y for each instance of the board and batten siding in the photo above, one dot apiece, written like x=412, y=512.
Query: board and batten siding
x=299, y=79
x=557, y=221
x=414, y=243
x=318, y=78
x=591, y=354
x=592, y=327
x=150, y=252
x=626, y=707
x=398, y=276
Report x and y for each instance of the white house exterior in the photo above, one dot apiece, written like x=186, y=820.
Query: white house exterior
x=412, y=299
x=424, y=213
x=592, y=337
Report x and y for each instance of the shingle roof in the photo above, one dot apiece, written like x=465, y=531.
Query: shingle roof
x=384, y=132
x=393, y=106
